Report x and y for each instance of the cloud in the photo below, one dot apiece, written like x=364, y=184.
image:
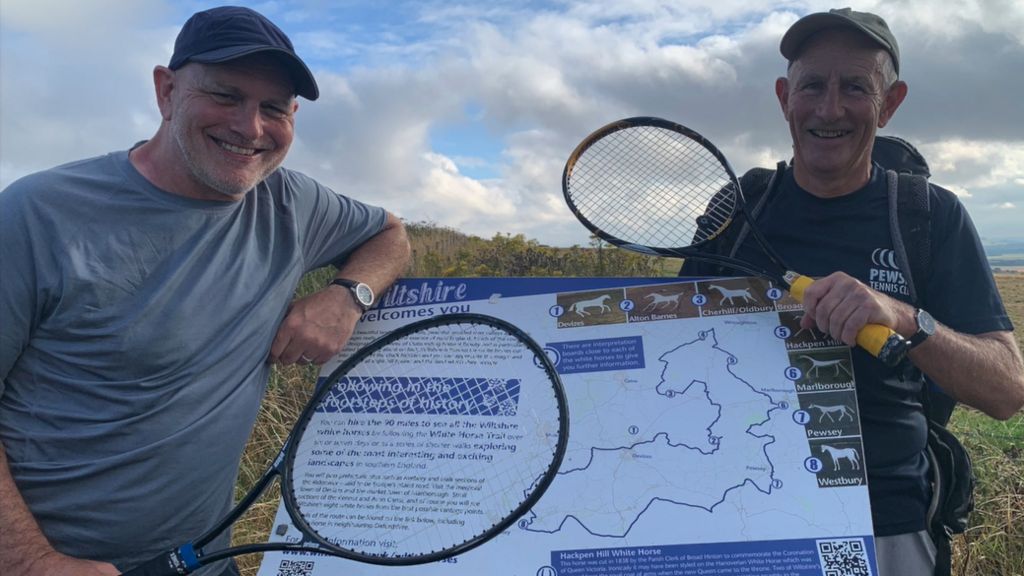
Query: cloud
x=537, y=77
x=76, y=79
x=982, y=168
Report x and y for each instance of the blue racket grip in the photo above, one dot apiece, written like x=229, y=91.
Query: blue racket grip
x=174, y=563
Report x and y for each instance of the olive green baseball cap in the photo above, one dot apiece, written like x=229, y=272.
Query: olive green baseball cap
x=871, y=25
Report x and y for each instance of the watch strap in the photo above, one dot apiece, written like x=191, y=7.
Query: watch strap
x=343, y=282
x=924, y=329
x=352, y=286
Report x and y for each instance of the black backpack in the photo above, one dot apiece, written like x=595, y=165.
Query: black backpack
x=907, y=173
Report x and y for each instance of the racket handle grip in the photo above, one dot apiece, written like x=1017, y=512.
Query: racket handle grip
x=166, y=564
x=881, y=341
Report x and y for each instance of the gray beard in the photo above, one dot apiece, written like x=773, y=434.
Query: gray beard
x=204, y=176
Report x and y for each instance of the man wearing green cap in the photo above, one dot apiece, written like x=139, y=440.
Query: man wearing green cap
x=152, y=292
x=829, y=218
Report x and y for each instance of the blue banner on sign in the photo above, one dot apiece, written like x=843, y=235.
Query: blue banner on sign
x=601, y=355
x=434, y=396
x=850, y=556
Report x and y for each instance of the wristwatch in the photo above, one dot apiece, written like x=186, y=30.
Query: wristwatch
x=925, y=328
x=362, y=293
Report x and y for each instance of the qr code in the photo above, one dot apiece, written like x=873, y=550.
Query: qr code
x=295, y=568
x=843, y=557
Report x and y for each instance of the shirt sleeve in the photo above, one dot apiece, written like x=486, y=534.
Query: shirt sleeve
x=18, y=300
x=961, y=290
x=332, y=225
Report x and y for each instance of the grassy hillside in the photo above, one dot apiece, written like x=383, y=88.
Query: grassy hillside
x=439, y=251
x=993, y=545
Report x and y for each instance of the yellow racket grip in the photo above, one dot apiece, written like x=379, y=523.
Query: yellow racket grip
x=880, y=341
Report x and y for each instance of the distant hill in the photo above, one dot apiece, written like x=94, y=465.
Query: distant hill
x=1005, y=254
x=995, y=248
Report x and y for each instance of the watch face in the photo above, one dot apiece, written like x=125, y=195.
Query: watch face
x=364, y=294
x=925, y=322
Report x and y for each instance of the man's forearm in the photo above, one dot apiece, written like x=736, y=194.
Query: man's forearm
x=984, y=371
x=381, y=259
x=22, y=542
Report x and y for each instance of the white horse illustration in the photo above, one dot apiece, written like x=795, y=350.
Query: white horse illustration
x=812, y=330
x=837, y=454
x=730, y=293
x=659, y=299
x=817, y=364
x=581, y=306
x=841, y=409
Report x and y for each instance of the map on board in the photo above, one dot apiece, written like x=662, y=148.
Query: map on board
x=709, y=433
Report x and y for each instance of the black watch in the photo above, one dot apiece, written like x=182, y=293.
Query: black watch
x=925, y=328
x=362, y=293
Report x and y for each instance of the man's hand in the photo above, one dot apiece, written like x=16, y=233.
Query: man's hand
x=54, y=563
x=316, y=327
x=985, y=370
x=841, y=305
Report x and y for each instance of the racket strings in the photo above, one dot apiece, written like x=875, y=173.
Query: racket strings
x=652, y=186
x=429, y=442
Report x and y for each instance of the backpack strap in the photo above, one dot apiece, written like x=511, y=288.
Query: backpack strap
x=758, y=184
x=910, y=228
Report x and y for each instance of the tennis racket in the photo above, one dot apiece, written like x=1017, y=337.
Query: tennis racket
x=659, y=188
x=422, y=445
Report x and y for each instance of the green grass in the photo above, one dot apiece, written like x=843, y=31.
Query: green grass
x=993, y=545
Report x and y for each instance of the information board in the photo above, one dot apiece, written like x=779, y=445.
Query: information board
x=709, y=433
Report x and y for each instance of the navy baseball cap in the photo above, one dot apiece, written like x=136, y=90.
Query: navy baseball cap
x=868, y=24
x=228, y=32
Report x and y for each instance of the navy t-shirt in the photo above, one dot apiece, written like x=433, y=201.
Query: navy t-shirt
x=818, y=236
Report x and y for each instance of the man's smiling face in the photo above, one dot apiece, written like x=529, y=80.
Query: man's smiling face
x=835, y=97
x=232, y=124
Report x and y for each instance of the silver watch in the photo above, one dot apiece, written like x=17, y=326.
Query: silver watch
x=361, y=292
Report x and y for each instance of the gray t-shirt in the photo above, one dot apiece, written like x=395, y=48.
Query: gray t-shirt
x=136, y=326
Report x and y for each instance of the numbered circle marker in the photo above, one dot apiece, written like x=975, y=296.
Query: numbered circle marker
x=626, y=305
x=802, y=417
x=556, y=310
x=793, y=373
x=813, y=464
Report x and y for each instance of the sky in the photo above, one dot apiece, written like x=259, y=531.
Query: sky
x=462, y=114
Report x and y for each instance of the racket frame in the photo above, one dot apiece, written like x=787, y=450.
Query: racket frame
x=693, y=250
x=880, y=341
x=191, y=556
x=536, y=493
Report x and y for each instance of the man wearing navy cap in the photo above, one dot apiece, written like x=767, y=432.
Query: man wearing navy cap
x=151, y=293
x=828, y=216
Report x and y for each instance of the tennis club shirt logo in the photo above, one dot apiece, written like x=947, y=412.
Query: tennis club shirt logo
x=885, y=275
